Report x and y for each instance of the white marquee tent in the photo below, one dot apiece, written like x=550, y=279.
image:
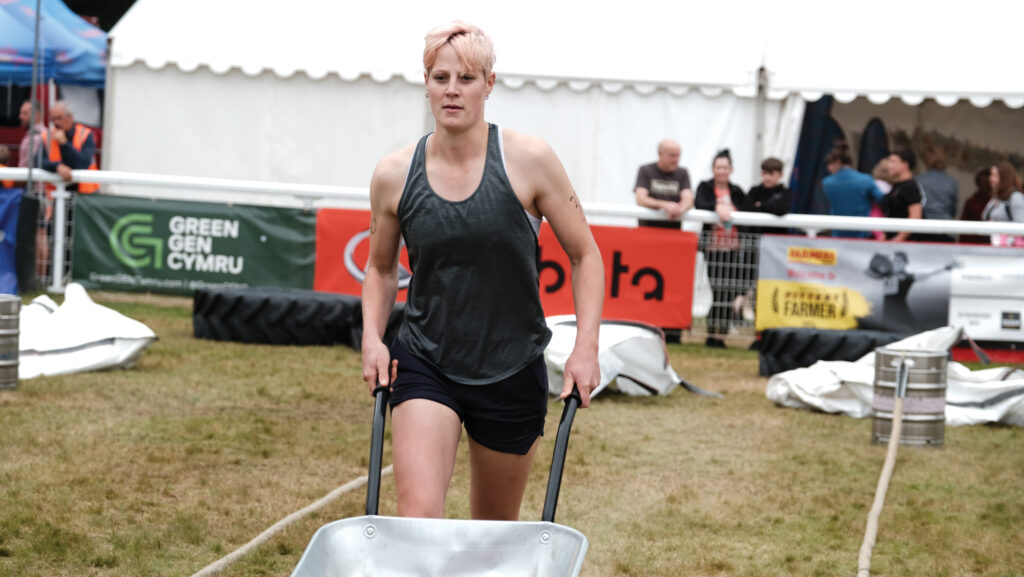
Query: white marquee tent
x=317, y=91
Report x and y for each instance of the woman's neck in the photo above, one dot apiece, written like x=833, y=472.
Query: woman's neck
x=459, y=145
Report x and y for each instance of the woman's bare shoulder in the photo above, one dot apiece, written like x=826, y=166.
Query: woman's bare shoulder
x=528, y=147
x=392, y=169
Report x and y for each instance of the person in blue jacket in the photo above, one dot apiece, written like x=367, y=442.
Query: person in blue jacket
x=849, y=192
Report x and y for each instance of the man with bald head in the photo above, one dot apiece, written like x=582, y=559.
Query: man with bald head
x=664, y=185
x=70, y=146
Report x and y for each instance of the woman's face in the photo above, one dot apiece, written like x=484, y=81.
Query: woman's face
x=456, y=94
x=993, y=178
x=722, y=169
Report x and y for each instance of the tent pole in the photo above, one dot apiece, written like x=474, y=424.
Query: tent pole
x=32, y=106
x=759, y=119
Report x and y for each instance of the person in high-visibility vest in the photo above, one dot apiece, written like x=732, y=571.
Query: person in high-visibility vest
x=5, y=157
x=70, y=146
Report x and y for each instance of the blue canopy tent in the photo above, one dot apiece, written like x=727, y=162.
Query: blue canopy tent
x=76, y=49
x=16, y=49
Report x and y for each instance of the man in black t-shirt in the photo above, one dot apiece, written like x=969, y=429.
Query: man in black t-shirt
x=664, y=185
x=905, y=199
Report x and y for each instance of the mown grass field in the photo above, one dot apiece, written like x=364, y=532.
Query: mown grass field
x=165, y=468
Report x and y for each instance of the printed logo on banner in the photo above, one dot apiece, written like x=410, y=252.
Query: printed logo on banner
x=132, y=242
x=648, y=272
x=189, y=244
x=805, y=304
x=127, y=243
x=356, y=245
x=1011, y=320
x=811, y=255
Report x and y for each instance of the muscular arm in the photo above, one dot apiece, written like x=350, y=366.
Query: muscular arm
x=549, y=187
x=913, y=211
x=380, y=285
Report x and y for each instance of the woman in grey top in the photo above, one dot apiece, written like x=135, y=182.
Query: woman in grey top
x=468, y=200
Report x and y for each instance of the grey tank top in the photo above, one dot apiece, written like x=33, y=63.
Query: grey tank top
x=473, y=308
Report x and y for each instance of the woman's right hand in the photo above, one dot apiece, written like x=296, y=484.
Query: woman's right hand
x=379, y=370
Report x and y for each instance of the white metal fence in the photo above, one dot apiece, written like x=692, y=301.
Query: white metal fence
x=733, y=275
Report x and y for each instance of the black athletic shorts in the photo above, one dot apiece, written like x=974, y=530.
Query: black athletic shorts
x=506, y=416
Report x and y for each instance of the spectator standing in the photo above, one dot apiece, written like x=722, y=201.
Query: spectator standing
x=849, y=192
x=884, y=183
x=940, y=189
x=771, y=196
x=905, y=200
x=720, y=244
x=664, y=185
x=1007, y=202
x=975, y=206
x=32, y=143
x=37, y=207
x=71, y=146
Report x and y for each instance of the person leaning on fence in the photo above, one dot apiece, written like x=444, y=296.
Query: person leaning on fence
x=1007, y=202
x=771, y=196
x=849, y=192
x=70, y=146
x=720, y=244
x=664, y=185
x=906, y=199
x=975, y=205
x=468, y=201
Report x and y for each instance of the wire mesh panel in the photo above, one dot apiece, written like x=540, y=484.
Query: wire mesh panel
x=44, y=242
x=731, y=261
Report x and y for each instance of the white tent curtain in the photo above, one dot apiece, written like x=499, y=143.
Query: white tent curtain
x=317, y=91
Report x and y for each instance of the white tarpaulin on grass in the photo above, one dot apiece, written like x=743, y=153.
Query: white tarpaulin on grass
x=632, y=357
x=972, y=397
x=77, y=336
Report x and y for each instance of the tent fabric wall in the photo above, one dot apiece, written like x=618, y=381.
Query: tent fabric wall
x=328, y=131
x=333, y=131
x=318, y=91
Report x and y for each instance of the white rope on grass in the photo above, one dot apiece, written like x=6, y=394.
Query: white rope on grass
x=864, y=559
x=221, y=564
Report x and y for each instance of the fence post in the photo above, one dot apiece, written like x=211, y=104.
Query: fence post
x=60, y=197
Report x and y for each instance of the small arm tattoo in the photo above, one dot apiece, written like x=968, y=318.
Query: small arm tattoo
x=373, y=224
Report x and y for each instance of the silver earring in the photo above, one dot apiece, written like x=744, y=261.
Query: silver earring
x=486, y=96
x=426, y=95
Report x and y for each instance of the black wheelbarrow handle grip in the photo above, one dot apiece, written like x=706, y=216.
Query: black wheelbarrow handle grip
x=380, y=409
x=572, y=402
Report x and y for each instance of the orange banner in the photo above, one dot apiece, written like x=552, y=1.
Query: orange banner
x=648, y=271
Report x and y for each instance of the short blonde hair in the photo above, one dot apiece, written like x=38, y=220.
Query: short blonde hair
x=471, y=44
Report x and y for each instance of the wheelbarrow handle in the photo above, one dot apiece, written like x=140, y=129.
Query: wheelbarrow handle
x=380, y=411
x=572, y=402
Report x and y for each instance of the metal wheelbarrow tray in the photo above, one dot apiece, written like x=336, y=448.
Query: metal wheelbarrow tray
x=399, y=546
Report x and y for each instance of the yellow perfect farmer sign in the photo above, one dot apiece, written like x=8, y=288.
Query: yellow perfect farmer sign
x=782, y=303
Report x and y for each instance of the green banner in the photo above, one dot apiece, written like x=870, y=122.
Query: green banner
x=176, y=247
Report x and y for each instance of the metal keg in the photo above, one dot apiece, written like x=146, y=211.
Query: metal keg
x=10, y=307
x=924, y=407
